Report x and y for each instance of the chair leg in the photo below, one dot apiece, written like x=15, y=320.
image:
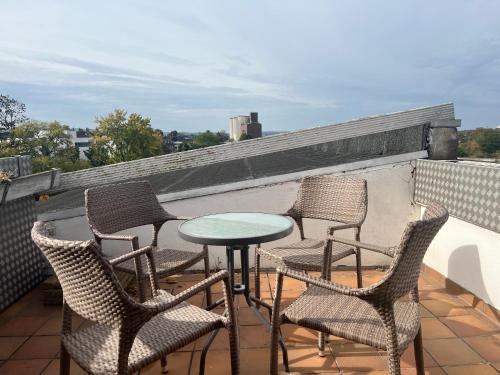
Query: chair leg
x=208, y=292
x=257, y=276
x=234, y=350
x=393, y=356
x=323, y=337
x=141, y=294
x=359, y=273
x=65, y=362
x=164, y=365
x=419, y=352
x=321, y=344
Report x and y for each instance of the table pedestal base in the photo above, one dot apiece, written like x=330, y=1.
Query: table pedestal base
x=252, y=302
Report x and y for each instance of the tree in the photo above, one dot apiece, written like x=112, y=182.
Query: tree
x=48, y=144
x=118, y=138
x=38, y=138
x=244, y=137
x=479, y=143
x=206, y=139
x=99, y=153
x=11, y=113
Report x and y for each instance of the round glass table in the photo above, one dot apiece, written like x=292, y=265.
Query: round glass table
x=237, y=230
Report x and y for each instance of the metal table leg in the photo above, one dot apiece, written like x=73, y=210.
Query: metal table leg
x=252, y=302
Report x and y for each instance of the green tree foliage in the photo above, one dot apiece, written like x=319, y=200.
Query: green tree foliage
x=205, y=139
x=98, y=153
x=244, y=137
x=479, y=143
x=11, y=113
x=48, y=144
x=119, y=138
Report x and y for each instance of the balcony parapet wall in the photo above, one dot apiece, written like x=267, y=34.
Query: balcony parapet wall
x=470, y=191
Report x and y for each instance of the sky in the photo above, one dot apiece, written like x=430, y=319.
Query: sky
x=191, y=65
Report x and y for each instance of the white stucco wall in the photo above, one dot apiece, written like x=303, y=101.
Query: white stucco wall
x=389, y=209
x=470, y=256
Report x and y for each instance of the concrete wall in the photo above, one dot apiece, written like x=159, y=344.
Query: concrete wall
x=468, y=255
x=390, y=190
x=254, y=147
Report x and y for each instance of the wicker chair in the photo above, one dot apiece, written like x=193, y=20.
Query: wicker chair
x=340, y=199
x=373, y=315
x=127, y=335
x=113, y=208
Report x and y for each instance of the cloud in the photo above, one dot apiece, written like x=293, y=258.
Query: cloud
x=194, y=65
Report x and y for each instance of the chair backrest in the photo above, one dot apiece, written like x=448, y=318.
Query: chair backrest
x=404, y=271
x=337, y=198
x=90, y=288
x=112, y=208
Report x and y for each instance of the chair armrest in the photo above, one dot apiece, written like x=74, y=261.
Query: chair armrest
x=180, y=218
x=118, y=237
x=389, y=251
x=134, y=240
x=132, y=254
x=333, y=228
x=159, y=307
x=148, y=251
x=338, y=288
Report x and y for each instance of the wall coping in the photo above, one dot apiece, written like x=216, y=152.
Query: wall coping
x=260, y=182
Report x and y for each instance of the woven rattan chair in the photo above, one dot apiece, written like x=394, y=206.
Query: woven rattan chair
x=339, y=199
x=374, y=315
x=126, y=335
x=117, y=207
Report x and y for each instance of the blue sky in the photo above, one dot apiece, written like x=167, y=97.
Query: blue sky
x=190, y=65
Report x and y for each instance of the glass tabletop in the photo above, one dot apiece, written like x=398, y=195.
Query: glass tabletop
x=236, y=228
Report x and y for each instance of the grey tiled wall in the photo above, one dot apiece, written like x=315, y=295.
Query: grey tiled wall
x=470, y=192
x=22, y=265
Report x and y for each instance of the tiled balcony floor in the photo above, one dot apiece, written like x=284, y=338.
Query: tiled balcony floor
x=458, y=340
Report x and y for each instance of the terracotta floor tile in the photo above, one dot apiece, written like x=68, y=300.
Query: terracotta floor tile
x=254, y=337
x=471, y=370
x=38, y=347
x=197, y=300
x=221, y=342
x=451, y=352
x=288, y=283
x=9, y=345
x=432, y=328
x=178, y=364
x=217, y=362
x=247, y=316
x=295, y=335
x=51, y=327
x=306, y=360
x=256, y=361
x=408, y=359
x=488, y=347
x=427, y=371
x=404, y=371
x=24, y=366
x=470, y=325
x=53, y=368
x=497, y=366
x=446, y=308
x=439, y=294
x=357, y=357
x=22, y=326
x=424, y=313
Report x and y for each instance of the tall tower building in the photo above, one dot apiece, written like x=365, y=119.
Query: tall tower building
x=248, y=125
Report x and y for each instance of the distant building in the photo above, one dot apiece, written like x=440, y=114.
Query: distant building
x=81, y=138
x=248, y=125
x=173, y=141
